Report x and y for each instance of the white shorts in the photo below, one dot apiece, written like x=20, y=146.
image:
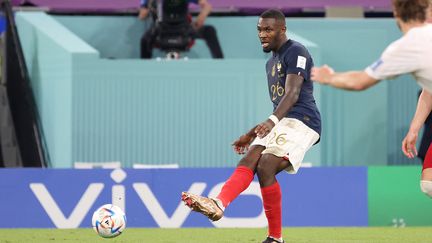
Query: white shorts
x=289, y=139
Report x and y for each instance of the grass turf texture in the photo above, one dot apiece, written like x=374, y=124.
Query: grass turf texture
x=192, y=235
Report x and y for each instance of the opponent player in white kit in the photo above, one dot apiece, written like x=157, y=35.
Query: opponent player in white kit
x=412, y=54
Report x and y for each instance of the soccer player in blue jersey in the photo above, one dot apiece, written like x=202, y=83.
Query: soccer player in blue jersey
x=280, y=142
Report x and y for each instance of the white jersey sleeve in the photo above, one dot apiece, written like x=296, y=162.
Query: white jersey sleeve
x=398, y=58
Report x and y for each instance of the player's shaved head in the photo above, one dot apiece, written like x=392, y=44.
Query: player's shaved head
x=272, y=30
x=274, y=14
x=411, y=10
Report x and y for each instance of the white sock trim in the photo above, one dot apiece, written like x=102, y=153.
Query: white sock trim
x=426, y=187
x=219, y=203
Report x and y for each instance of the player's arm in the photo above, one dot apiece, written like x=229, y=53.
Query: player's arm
x=424, y=108
x=351, y=80
x=398, y=58
x=293, y=86
x=206, y=8
x=144, y=10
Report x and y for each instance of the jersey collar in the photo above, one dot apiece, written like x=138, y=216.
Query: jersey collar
x=284, y=47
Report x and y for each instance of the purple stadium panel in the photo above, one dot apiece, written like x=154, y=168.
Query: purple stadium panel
x=240, y=6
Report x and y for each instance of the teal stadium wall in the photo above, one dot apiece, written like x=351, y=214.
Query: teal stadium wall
x=98, y=102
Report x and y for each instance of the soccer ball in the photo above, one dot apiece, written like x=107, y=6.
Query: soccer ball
x=109, y=221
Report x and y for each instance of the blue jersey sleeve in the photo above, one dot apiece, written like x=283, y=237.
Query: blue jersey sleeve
x=298, y=61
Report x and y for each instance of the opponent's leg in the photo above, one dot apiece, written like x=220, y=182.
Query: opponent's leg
x=268, y=166
x=238, y=182
x=426, y=178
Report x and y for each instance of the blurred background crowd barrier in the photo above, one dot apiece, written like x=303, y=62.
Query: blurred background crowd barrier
x=99, y=102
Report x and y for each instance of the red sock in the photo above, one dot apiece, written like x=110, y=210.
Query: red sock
x=272, y=201
x=236, y=184
x=427, y=163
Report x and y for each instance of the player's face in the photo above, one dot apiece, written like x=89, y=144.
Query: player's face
x=270, y=33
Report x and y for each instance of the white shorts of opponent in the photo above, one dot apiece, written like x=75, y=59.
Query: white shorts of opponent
x=289, y=139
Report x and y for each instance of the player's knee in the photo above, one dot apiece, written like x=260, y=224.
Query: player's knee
x=426, y=187
x=209, y=31
x=261, y=169
x=264, y=173
x=248, y=162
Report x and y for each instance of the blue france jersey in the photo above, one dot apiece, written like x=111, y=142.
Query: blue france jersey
x=294, y=58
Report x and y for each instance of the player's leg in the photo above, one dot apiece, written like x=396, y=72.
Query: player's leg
x=147, y=41
x=208, y=33
x=285, y=149
x=239, y=181
x=242, y=176
x=426, y=177
x=268, y=166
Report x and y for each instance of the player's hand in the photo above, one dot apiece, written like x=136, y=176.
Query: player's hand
x=264, y=128
x=409, y=145
x=322, y=74
x=241, y=145
x=143, y=13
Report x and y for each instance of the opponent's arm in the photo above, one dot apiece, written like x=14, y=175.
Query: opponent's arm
x=293, y=85
x=351, y=80
x=424, y=108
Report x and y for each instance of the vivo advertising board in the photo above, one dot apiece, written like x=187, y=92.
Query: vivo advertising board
x=66, y=198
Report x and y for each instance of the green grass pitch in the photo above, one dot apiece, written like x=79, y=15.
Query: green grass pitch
x=212, y=235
